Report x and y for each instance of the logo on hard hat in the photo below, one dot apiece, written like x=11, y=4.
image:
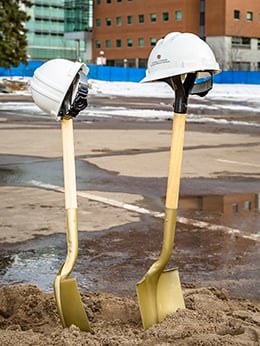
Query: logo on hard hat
x=160, y=61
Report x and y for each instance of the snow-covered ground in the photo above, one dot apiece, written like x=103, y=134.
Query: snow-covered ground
x=236, y=92
x=239, y=92
x=223, y=97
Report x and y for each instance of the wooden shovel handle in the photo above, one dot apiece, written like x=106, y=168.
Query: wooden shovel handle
x=69, y=164
x=174, y=173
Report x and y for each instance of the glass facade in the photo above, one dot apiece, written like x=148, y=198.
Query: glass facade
x=78, y=15
x=50, y=19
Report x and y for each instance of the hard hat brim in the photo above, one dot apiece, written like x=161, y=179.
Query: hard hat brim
x=155, y=77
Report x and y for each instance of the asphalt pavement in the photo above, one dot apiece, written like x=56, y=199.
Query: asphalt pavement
x=122, y=167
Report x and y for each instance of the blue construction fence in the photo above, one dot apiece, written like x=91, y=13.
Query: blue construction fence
x=130, y=74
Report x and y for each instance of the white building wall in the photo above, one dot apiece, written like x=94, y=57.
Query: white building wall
x=228, y=56
x=221, y=48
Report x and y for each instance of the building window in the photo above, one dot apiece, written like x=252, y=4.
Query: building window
x=141, y=18
x=108, y=44
x=129, y=42
x=153, y=17
x=240, y=65
x=119, y=0
x=108, y=1
x=235, y=208
x=249, y=16
x=165, y=16
x=98, y=44
x=118, y=43
x=98, y=22
x=44, y=19
x=98, y=2
x=108, y=21
x=129, y=19
x=236, y=14
x=178, y=15
x=141, y=42
x=258, y=66
x=241, y=42
x=118, y=21
x=153, y=41
x=247, y=205
x=245, y=66
x=236, y=41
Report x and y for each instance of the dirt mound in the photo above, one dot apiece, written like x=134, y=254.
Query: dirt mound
x=29, y=317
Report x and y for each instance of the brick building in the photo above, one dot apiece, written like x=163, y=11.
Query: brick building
x=227, y=204
x=124, y=31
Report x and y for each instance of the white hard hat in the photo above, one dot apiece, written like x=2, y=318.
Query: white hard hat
x=51, y=83
x=177, y=54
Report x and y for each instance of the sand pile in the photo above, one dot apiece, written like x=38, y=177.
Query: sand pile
x=28, y=316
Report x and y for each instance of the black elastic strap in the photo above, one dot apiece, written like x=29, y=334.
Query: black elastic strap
x=80, y=102
x=182, y=90
x=186, y=88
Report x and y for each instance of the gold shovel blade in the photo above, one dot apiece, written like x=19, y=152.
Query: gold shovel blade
x=159, y=297
x=169, y=293
x=72, y=308
x=146, y=294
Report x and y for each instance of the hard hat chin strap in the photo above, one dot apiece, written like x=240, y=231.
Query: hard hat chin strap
x=182, y=90
x=187, y=87
x=71, y=107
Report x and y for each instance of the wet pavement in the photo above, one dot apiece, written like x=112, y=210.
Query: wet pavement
x=115, y=259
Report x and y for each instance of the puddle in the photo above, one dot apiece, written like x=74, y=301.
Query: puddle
x=236, y=210
x=30, y=171
x=115, y=260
